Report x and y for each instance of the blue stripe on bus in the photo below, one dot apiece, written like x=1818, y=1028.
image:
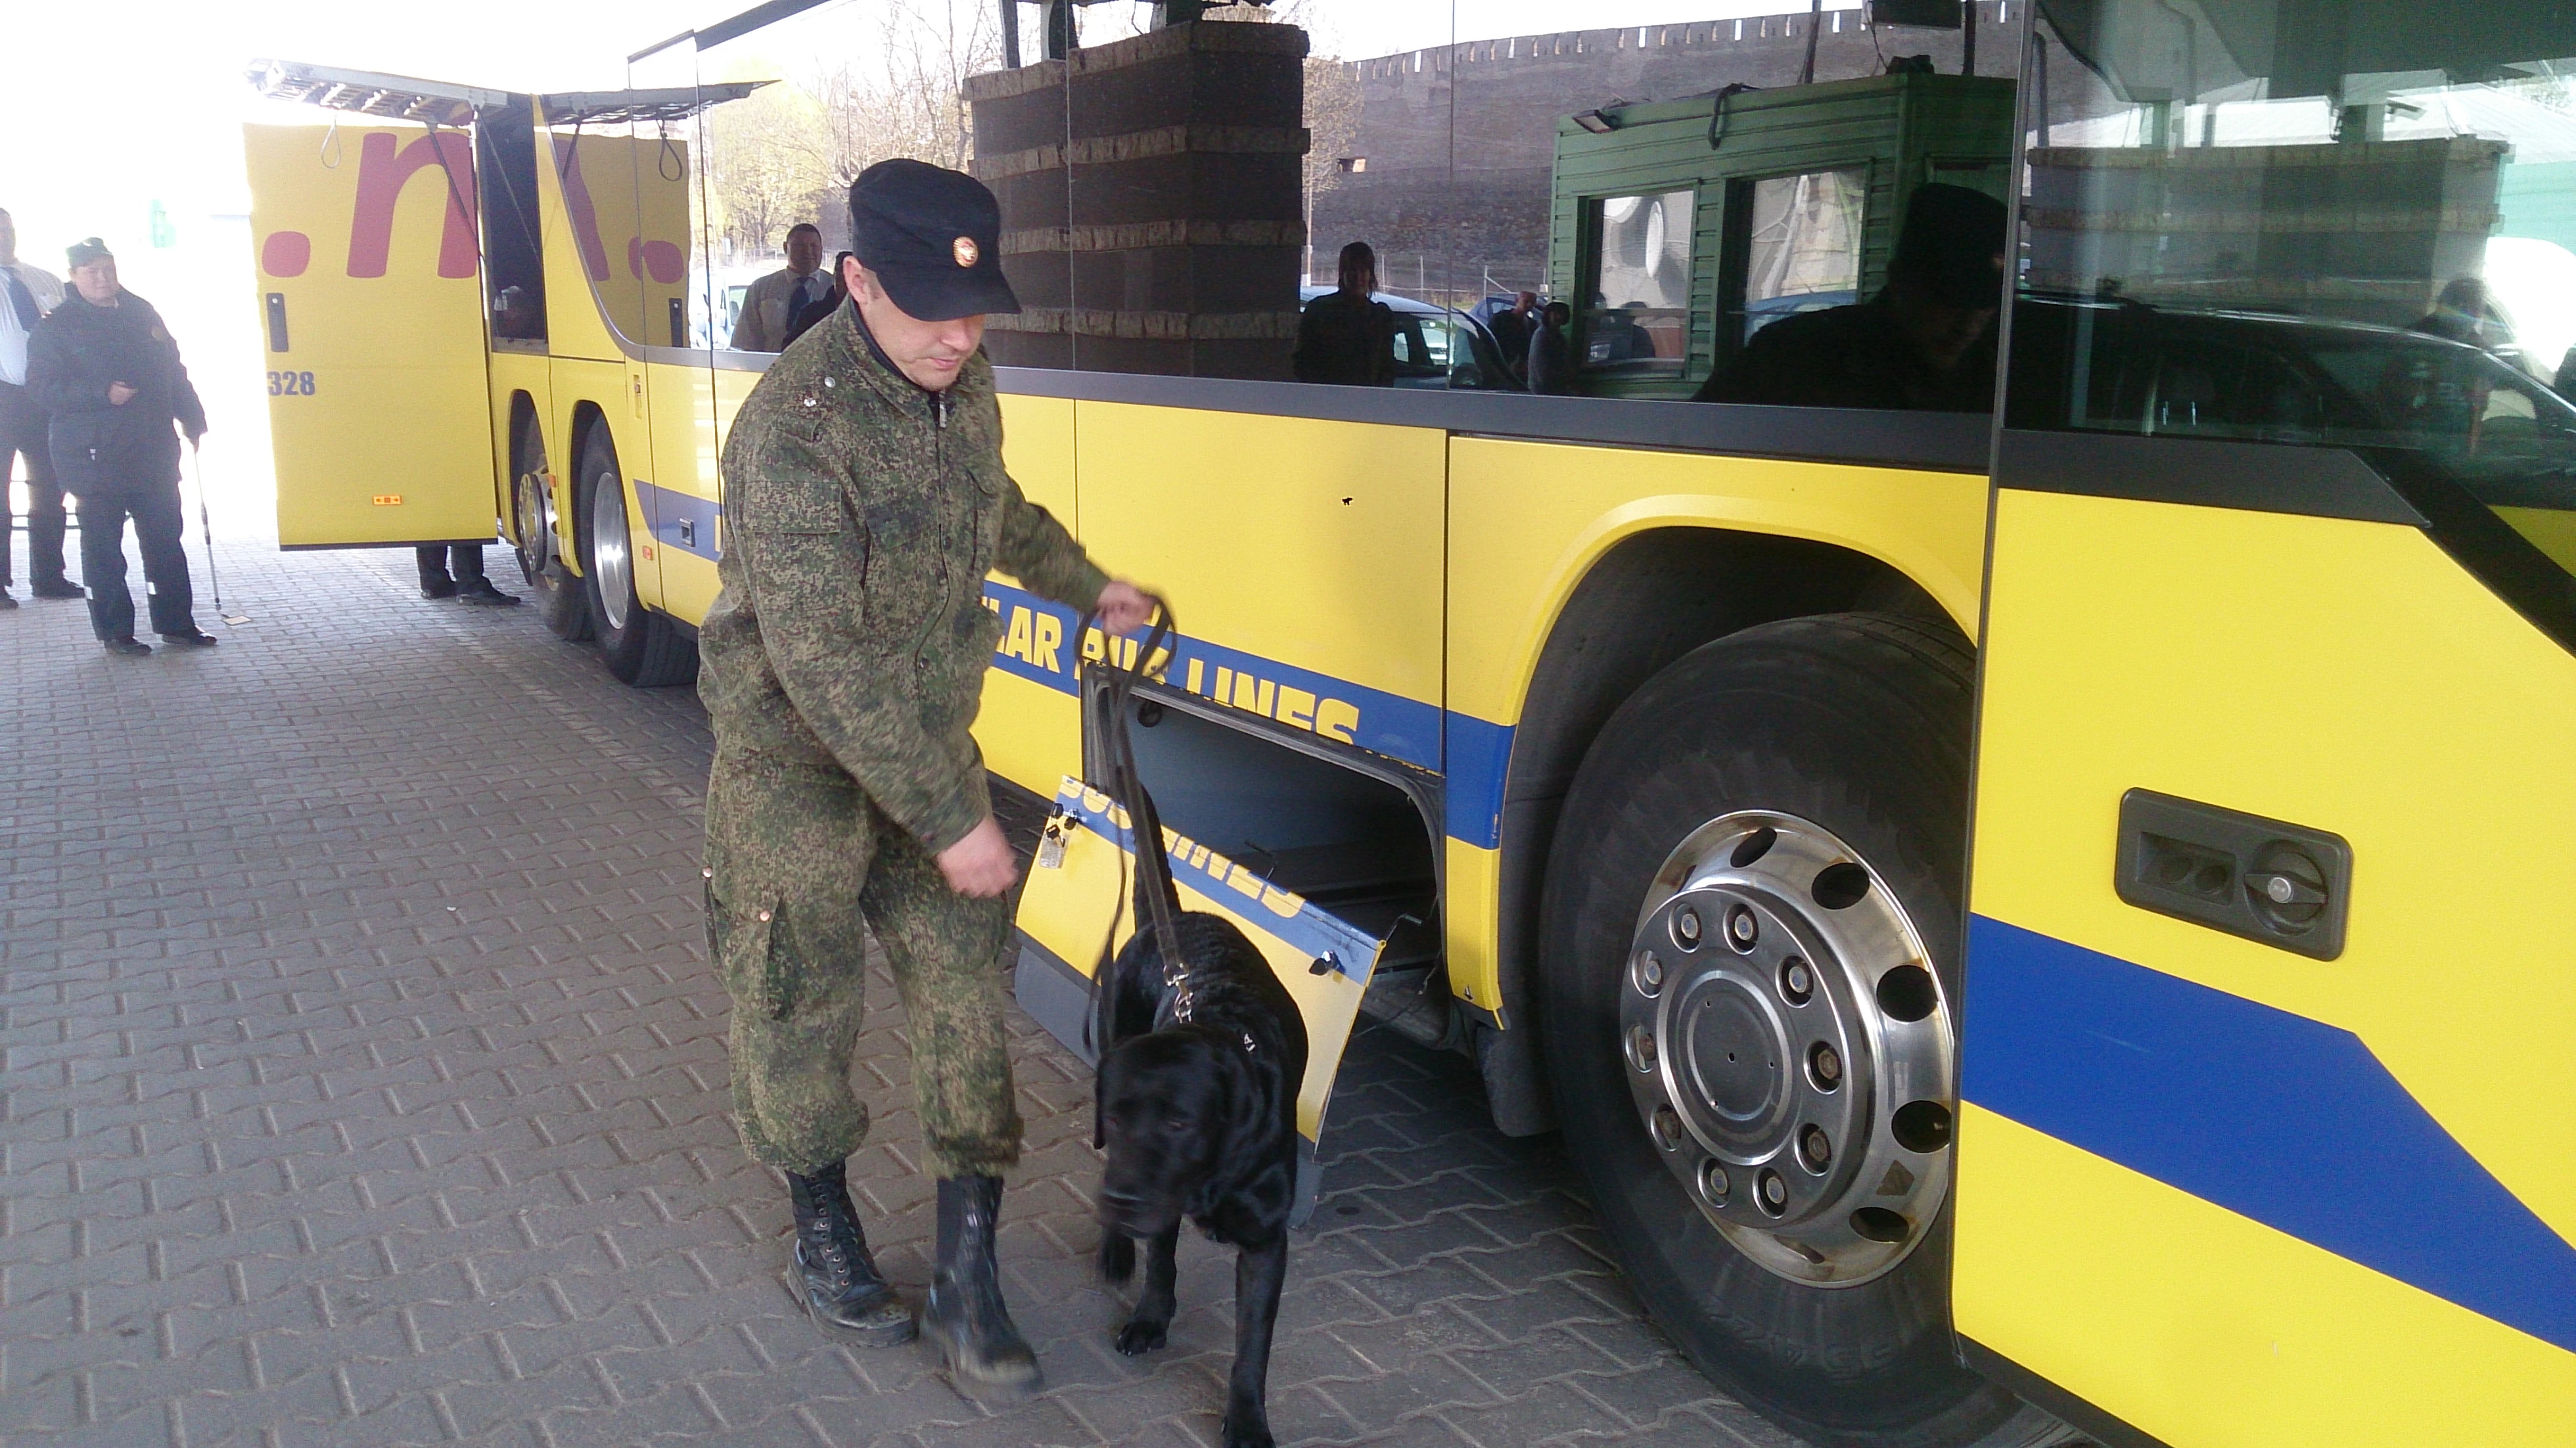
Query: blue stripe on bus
x=1037, y=646
x=1478, y=753
x=2273, y=1116
x=665, y=509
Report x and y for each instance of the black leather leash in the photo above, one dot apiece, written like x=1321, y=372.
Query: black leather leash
x=1157, y=897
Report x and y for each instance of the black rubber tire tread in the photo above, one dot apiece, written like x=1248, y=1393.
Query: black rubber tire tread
x=651, y=652
x=563, y=601
x=1859, y=722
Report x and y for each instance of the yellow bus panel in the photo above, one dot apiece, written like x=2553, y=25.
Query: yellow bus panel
x=2258, y=1155
x=360, y=234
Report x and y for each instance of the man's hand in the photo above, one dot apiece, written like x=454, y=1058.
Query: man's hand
x=119, y=394
x=1123, y=608
x=980, y=865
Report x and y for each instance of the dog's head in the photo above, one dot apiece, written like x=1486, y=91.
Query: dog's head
x=1177, y=1109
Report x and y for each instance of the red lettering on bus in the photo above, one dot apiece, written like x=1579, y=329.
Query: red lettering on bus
x=584, y=216
x=286, y=253
x=382, y=172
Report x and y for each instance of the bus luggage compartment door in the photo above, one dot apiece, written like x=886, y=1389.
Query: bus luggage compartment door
x=370, y=301
x=1079, y=900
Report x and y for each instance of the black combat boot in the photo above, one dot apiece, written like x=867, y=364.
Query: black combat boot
x=965, y=1319
x=836, y=1278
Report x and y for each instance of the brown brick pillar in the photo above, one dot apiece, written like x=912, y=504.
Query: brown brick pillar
x=1151, y=198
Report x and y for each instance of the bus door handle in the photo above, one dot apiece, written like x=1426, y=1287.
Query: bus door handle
x=2282, y=884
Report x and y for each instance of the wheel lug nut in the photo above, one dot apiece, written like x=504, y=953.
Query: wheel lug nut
x=1686, y=928
x=1641, y=1048
x=1825, y=1066
x=1648, y=975
x=1713, y=1185
x=1741, y=928
x=1797, y=981
x=1774, y=1191
x=1815, y=1148
x=1667, y=1127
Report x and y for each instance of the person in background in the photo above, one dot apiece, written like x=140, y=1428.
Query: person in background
x=1551, y=352
x=1346, y=336
x=774, y=301
x=27, y=293
x=1925, y=342
x=107, y=373
x=455, y=570
x=1512, y=329
x=818, y=310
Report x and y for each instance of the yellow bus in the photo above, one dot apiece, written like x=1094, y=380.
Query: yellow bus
x=2052, y=916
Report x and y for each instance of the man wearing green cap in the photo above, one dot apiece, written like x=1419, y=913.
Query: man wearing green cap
x=865, y=500
x=107, y=373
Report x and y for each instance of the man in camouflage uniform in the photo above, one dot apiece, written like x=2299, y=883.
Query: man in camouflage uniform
x=865, y=500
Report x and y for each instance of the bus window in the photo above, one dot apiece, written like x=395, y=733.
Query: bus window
x=2319, y=236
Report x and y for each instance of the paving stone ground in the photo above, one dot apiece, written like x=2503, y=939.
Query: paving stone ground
x=362, y=1082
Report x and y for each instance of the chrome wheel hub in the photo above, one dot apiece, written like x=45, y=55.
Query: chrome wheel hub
x=532, y=510
x=611, y=571
x=1788, y=1048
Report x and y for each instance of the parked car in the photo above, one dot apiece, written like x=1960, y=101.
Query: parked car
x=1439, y=346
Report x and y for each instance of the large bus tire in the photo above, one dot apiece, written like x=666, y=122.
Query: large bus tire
x=642, y=647
x=562, y=599
x=1761, y=852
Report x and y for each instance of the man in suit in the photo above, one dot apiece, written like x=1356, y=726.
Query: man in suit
x=771, y=305
x=27, y=293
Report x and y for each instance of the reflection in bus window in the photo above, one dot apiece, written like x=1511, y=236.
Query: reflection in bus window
x=2309, y=228
x=1804, y=252
x=1638, y=315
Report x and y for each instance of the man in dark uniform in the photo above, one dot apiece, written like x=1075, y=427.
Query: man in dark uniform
x=108, y=376
x=467, y=583
x=1926, y=341
x=865, y=500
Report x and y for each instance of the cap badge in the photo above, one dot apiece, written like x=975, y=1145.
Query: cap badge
x=965, y=250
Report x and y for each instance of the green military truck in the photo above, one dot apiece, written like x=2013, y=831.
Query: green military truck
x=1680, y=228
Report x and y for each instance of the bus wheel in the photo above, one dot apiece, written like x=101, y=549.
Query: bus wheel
x=1750, y=994
x=642, y=647
x=561, y=599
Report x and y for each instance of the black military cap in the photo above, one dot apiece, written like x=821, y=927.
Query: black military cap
x=1952, y=245
x=934, y=238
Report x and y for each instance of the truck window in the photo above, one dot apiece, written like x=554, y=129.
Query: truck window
x=2306, y=231
x=1637, y=316
x=1803, y=253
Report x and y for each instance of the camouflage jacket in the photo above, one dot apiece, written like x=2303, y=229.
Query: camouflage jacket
x=861, y=515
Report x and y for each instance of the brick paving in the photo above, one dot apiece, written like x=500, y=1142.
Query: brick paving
x=364, y=1083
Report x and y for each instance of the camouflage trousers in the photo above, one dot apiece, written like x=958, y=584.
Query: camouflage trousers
x=797, y=858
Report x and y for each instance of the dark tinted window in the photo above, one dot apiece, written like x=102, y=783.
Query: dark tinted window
x=2343, y=224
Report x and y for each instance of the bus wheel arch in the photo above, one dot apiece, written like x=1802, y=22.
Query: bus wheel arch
x=1854, y=729
x=1695, y=584
x=640, y=645
x=537, y=531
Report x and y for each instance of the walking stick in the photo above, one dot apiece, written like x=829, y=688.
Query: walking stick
x=206, y=521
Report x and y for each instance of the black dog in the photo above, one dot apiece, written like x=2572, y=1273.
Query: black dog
x=1197, y=1107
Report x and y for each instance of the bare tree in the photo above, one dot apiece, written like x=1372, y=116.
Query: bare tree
x=907, y=99
x=766, y=161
